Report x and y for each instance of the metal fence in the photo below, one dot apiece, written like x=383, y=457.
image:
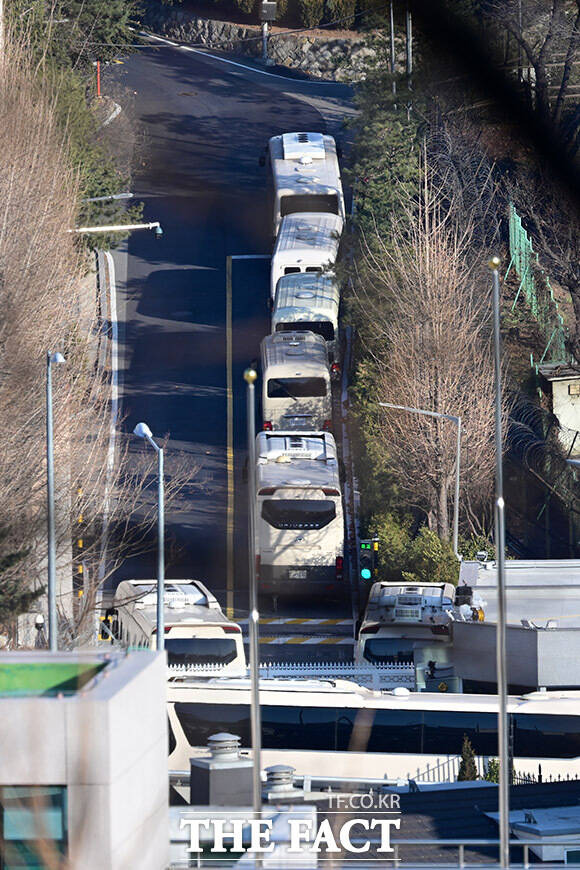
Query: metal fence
x=384, y=676
x=537, y=291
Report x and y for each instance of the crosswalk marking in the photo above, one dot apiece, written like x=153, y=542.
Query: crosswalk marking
x=307, y=621
x=301, y=639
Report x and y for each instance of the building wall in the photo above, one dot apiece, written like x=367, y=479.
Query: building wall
x=474, y=653
x=108, y=745
x=566, y=407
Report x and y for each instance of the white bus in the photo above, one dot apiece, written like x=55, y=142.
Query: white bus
x=196, y=630
x=305, y=175
x=299, y=519
x=338, y=728
x=296, y=390
x=307, y=301
x=305, y=243
x=400, y=617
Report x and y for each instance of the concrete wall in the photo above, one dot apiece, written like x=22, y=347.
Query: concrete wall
x=340, y=59
x=108, y=745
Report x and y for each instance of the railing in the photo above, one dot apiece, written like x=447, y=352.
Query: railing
x=538, y=292
x=462, y=844
x=377, y=677
x=394, y=859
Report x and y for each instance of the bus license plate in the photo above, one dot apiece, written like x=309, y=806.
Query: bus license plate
x=297, y=575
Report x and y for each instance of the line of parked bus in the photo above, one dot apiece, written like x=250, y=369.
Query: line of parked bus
x=300, y=534
x=299, y=518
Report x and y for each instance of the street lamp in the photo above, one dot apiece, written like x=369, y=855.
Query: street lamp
x=56, y=358
x=142, y=430
x=502, y=723
x=457, y=421
x=121, y=228
x=250, y=376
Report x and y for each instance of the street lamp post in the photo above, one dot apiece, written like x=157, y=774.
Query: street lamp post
x=121, y=228
x=457, y=421
x=142, y=430
x=250, y=376
x=51, y=358
x=502, y=730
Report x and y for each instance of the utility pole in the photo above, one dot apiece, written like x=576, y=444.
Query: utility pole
x=250, y=376
x=267, y=13
x=51, y=359
x=409, y=45
x=393, y=58
x=502, y=716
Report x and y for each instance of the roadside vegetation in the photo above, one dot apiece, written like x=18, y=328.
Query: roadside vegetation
x=51, y=161
x=63, y=40
x=435, y=168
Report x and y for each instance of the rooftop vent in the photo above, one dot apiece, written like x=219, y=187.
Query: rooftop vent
x=298, y=145
x=224, y=746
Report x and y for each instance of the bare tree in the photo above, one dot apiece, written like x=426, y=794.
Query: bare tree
x=425, y=305
x=48, y=302
x=547, y=35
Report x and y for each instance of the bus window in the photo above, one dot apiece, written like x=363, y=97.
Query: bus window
x=558, y=736
x=298, y=514
x=313, y=269
x=296, y=388
x=200, y=650
x=320, y=327
x=290, y=270
x=200, y=721
x=309, y=202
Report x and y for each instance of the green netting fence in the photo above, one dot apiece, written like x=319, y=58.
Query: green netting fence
x=535, y=285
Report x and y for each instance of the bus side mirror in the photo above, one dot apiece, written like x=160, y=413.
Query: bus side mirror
x=262, y=160
x=339, y=152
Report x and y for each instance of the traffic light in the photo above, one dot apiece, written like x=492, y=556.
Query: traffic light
x=368, y=556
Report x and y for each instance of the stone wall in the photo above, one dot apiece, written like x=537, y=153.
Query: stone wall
x=338, y=59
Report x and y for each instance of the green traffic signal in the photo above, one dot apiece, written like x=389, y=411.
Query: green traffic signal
x=365, y=573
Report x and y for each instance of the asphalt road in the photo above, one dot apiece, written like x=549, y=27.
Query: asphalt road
x=203, y=122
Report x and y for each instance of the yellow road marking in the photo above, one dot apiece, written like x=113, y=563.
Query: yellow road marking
x=230, y=446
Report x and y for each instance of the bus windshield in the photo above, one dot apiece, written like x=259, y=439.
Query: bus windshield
x=296, y=388
x=385, y=650
x=200, y=650
x=291, y=204
x=297, y=514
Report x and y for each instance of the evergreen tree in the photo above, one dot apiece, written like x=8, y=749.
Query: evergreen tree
x=492, y=770
x=467, y=768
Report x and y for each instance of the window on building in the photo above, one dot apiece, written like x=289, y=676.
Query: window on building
x=33, y=826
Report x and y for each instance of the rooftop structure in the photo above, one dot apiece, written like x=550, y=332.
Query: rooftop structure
x=537, y=590
x=291, y=460
x=83, y=767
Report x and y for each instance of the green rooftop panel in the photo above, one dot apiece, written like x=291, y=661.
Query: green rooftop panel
x=46, y=678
